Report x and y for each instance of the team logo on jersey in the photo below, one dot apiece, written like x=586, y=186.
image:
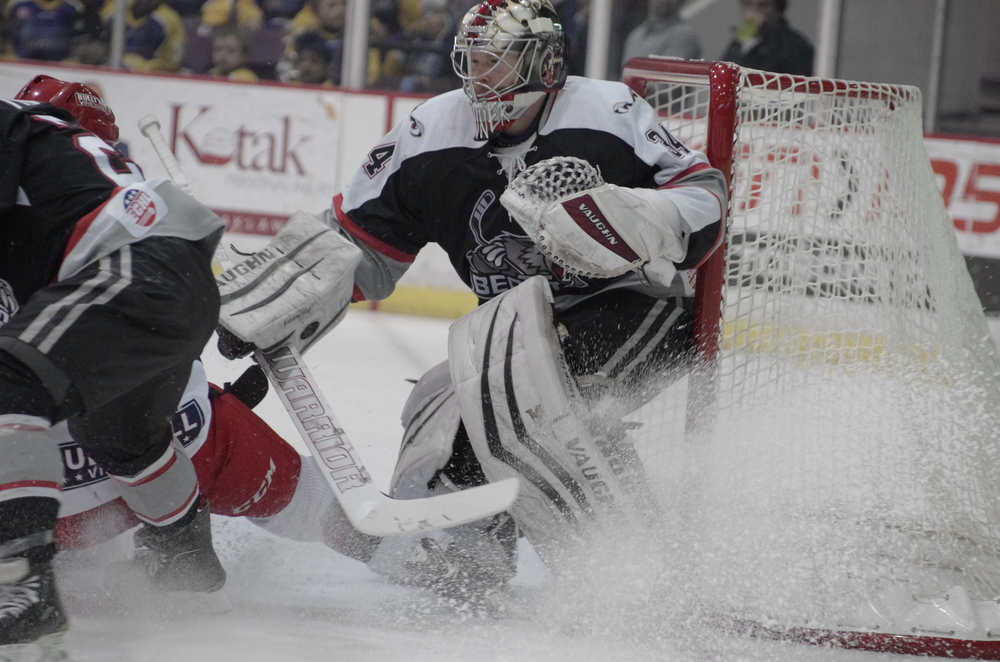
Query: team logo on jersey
x=139, y=206
x=623, y=107
x=188, y=422
x=416, y=128
x=8, y=304
x=78, y=469
x=502, y=260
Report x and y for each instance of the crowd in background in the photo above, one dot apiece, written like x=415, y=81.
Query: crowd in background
x=409, y=40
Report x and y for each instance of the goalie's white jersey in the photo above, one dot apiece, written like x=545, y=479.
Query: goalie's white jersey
x=429, y=181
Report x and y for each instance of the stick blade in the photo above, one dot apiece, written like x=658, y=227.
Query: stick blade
x=383, y=516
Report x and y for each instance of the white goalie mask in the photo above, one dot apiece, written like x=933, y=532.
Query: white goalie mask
x=509, y=53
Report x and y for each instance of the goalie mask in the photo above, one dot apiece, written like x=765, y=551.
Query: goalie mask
x=79, y=100
x=509, y=54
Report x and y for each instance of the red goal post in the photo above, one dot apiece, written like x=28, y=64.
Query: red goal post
x=843, y=487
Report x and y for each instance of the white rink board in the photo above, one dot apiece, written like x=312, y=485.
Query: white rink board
x=968, y=174
x=266, y=150
x=255, y=153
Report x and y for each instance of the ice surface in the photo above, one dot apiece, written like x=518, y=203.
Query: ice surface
x=294, y=601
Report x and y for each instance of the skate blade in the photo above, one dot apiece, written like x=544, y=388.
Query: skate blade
x=47, y=649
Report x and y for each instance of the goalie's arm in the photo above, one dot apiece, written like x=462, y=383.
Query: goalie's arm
x=381, y=265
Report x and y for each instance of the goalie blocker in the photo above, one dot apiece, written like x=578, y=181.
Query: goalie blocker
x=290, y=293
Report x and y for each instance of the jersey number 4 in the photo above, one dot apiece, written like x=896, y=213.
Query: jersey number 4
x=377, y=158
x=674, y=146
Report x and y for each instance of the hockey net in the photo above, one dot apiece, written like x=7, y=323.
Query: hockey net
x=839, y=477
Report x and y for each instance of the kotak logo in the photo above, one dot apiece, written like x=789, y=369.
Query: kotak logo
x=273, y=151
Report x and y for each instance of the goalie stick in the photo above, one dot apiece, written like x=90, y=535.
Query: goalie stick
x=150, y=127
x=368, y=509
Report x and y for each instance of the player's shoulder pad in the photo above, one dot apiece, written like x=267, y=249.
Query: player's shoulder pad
x=586, y=103
x=51, y=111
x=14, y=108
x=441, y=122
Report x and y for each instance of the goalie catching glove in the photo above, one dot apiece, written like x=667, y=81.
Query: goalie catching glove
x=291, y=293
x=589, y=227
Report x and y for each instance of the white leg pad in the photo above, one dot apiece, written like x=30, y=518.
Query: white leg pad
x=430, y=419
x=525, y=418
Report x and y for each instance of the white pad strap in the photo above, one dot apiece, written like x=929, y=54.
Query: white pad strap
x=592, y=228
x=525, y=418
x=295, y=290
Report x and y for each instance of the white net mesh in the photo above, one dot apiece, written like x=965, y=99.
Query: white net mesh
x=852, y=449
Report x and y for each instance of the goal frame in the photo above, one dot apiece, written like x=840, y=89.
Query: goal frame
x=723, y=80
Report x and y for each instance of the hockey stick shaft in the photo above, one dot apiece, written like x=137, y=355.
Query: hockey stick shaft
x=368, y=509
x=150, y=127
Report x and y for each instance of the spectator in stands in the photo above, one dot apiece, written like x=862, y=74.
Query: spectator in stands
x=664, y=32
x=328, y=18
x=154, y=35
x=187, y=9
x=230, y=47
x=248, y=14
x=40, y=30
x=429, y=70
x=90, y=40
x=764, y=40
x=279, y=13
x=313, y=60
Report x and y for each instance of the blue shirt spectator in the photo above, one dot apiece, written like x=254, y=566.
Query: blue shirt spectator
x=41, y=30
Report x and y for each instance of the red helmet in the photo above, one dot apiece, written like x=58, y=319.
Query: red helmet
x=82, y=102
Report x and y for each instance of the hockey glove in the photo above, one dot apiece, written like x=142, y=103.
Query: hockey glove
x=232, y=347
x=589, y=227
x=249, y=388
x=292, y=292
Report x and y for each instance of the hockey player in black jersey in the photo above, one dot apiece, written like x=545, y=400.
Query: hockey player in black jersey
x=578, y=221
x=107, y=298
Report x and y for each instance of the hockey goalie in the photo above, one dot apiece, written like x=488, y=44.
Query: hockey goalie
x=576, y=218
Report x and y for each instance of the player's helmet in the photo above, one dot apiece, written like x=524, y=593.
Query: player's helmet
x=79, y=100
x=509, y=53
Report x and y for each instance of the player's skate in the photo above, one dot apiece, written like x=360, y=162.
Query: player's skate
x=467, y=565
x=174, y=561
x=32, y=620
